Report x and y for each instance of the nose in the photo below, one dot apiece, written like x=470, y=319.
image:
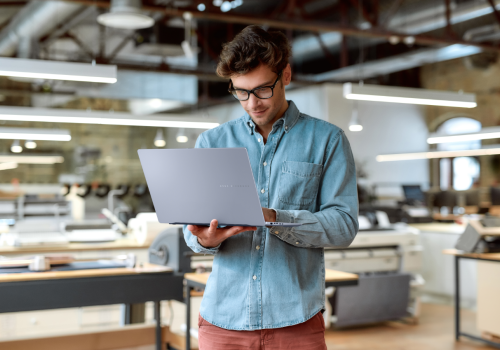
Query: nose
x=253, y=102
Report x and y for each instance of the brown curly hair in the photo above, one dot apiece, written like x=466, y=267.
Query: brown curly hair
x=251, y=47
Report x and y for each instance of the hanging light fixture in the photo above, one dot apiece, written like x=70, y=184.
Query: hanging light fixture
x=59, y=115
x=54, y=70
x=159, y=139
x=392, y=94
x=16, y=147
x=181, y=136
x=354, y=123
x=30, y=144
x=125, y=14
x=33, y=134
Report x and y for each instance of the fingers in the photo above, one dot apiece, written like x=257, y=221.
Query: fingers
x=239, y=229
x=213, y=227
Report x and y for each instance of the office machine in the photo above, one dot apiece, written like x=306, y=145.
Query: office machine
x=145, y=227
x=481, y=236
x=388, y=261
x=169, y=249
x=414, y=194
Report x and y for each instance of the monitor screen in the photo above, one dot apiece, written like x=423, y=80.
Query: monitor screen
x=414, y=192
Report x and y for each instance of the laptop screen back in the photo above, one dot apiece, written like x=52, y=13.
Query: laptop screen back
x=194, y=186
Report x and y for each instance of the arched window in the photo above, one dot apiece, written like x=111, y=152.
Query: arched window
x=458, y=173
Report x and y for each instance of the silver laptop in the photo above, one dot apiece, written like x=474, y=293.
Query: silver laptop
x=195, y=186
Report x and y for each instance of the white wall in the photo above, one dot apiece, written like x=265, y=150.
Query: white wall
x=387, y=128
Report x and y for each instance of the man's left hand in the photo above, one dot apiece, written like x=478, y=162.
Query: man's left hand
x=269, y=215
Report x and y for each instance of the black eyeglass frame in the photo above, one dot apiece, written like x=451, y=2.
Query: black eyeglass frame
x=231, y=89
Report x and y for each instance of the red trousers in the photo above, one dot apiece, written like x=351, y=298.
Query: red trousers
x=309, y=335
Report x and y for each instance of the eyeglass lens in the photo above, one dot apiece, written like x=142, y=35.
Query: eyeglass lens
x=265, y=92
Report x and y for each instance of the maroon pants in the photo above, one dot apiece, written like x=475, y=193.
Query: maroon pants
x=309, y=335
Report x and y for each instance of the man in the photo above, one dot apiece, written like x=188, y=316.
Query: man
x=266, y=289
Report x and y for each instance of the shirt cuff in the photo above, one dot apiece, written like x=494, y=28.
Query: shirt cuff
x=282, y=216
x=204, y=250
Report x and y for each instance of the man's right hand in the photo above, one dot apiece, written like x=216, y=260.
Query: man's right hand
x=211, y=237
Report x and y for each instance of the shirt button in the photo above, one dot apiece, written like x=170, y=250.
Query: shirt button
x=286, y=127
x=258, y=247
x=265, y=163
x=262, y=190
x=296, y=242
x=258, y=140
x=254, y=277
x=276, y=232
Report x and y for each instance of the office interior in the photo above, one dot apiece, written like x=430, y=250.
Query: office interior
x=84, y=262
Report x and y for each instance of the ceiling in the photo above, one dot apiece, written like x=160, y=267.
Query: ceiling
x=381, y=41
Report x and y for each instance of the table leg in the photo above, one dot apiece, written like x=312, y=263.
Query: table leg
x=157, y=314
x=457, y=298
x=188, y=316
x=127, y=314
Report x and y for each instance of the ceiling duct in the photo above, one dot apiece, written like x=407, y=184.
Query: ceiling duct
x=126, y=14
x=36, y=19
x=425, y=17
x=418, y=58
x=393, y=64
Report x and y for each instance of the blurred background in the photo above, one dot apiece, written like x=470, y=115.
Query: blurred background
x=415, y=85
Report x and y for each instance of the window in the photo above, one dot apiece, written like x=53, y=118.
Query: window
x=462, y=172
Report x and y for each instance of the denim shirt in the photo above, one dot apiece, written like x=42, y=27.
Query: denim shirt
x=273, y=278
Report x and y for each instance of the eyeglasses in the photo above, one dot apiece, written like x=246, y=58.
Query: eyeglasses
x=262, y=92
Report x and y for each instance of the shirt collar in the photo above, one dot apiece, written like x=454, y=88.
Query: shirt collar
x=289, y=119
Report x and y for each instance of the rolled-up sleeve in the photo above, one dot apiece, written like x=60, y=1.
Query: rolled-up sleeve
x=192, y=240
x=336, y=222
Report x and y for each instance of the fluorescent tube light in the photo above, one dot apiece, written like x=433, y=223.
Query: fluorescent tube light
x=408, y=95
x=34, y=134
x=54, y=115
x=53, y=70
x=8, y=165
x=484, y=134
x=439, y=154
x=31, y=159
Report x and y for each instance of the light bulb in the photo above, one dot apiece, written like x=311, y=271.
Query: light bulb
x=30, y=144
x=181, y=136
x=155, y=103
x=354, y=124
x=16, y=147
x=159, y=140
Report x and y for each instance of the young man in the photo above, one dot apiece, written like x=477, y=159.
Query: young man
x=266, y=289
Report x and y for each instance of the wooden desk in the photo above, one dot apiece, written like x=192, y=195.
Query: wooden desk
x=333, y=278
x=65, y=289
x=125, y=243
x=475, y=256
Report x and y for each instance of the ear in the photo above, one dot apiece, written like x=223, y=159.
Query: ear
x=287, y=75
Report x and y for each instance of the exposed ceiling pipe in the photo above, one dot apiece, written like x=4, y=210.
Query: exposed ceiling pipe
x=36, y=19
x=410, y=60
x=427, y=17
x=489, y=32
x=393, y=64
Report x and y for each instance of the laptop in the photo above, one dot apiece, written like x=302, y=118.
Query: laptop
x=195, y=186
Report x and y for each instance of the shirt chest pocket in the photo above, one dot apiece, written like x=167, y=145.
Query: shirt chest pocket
x=299, y=182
